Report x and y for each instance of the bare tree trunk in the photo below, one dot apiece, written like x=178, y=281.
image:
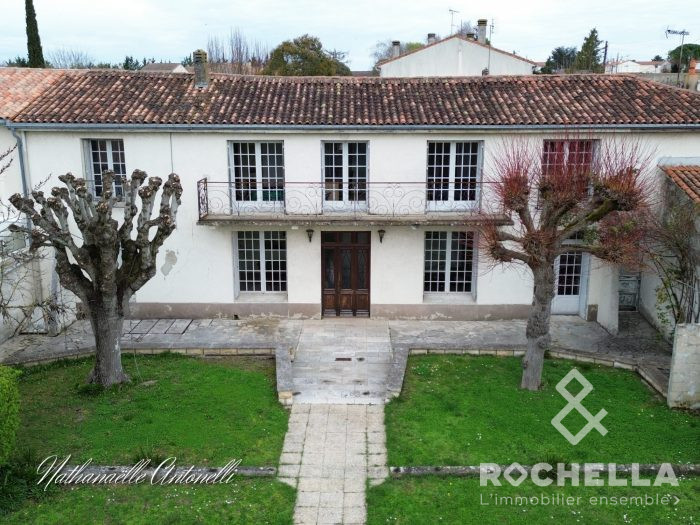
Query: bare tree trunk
x=107, y=324
x=538, y=338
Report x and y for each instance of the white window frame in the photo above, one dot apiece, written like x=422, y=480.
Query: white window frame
x=438, y=296
x=259, y=203
x=260, y=235
x=90, y=174
x=345, y=203
x=450, y=204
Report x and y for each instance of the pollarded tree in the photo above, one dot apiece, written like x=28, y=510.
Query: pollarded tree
x=110, y=262
x=568, y=191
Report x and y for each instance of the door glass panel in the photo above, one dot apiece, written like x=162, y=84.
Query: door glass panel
x=346, y=268
x=346, y=237
x=362, y=269
x=329, y=267
x=363, y=237
x=327, y=236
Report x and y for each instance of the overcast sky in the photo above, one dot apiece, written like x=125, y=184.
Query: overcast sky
x=170, y=29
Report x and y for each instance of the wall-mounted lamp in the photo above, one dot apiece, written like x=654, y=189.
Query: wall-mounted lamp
x=381, y=235
x=310, y=233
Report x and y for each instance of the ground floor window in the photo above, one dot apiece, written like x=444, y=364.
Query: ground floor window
x=449, y=261
x=569, y=273
x=262, y=261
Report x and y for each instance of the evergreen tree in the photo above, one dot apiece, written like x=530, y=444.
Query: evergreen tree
x=36, y=56
x=303, y=56
x=588, y=59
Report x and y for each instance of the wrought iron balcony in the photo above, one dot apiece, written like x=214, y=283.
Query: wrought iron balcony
x=336, y=202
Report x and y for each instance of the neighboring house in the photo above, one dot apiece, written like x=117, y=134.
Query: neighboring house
x=456, y=56
x=680, y=184
x=165, y=67
x=17, y=88
x=638, y=66
x=325, y=196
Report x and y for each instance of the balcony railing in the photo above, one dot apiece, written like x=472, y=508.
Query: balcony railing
x=365, y=200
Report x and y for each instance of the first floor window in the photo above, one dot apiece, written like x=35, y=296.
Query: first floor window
x=257, y=171
x=449, y=261
x=107, y=154
x=262, y=261
x=567, y=155
x=453, y=171
x=345, y=168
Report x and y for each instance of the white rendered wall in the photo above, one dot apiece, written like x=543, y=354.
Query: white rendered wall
x=196, y=264
x=455, y=57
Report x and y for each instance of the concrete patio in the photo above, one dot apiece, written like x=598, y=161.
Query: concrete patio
x=354, y=361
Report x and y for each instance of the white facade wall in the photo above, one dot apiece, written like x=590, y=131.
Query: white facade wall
x=455, y=57
x=196, y=265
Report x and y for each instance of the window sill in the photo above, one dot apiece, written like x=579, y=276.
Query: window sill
x=262, y=297
x=448, y=298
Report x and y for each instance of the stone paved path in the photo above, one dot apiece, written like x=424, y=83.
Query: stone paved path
x=342, y=361
x=330, y=453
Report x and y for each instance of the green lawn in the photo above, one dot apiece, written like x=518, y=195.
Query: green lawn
x=463, y=410
x=452, y=500
x=240, y=502
x=204, y=412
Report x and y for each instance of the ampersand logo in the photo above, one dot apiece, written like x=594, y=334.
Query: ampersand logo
x=575, y=404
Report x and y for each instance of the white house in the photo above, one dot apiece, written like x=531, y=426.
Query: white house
x=638, y=66
x=456, y=56
x=309, y=197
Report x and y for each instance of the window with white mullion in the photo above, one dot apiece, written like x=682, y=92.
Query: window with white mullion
x=103, y=155
x=262, y=261
x=345, y=169
x=449, y=261
x=257, y=171
x=452, y=174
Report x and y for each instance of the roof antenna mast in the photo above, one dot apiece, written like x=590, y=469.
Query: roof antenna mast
x=683, y=33
x=453, y=12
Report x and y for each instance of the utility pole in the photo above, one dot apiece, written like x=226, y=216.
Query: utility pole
x=683, y=33
x=453, y=12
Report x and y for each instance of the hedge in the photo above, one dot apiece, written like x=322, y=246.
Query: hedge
x=9, y=411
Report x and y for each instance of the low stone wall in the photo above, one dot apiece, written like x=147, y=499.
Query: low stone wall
x=684, y=382
x=199, y=352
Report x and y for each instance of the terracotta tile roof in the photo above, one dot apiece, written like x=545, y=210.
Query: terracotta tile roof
x=687, y=178
x=19, y=86
x=464, y=38
x=122, y=97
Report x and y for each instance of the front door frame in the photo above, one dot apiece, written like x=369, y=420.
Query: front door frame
x=339, y=301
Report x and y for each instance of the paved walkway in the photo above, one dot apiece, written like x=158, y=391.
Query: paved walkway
x=342, y=361
x=330, y=453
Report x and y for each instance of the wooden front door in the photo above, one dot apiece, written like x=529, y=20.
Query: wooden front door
x=345, y=277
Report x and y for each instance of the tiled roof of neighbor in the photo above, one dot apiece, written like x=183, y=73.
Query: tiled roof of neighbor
x=19, y=86
x=687, y=178
x=123, y=97
x=460, y=37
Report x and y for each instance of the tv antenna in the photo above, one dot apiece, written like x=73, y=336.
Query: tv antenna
x=683, y=33
x=453, y=12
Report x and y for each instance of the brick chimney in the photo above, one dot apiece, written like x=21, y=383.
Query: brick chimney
x=395, y=48
x=431, y=38
x=481, y=30
x=201, y=68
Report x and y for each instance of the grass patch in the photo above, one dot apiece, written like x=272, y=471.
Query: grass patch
x=462, y=410
x=242, y=501
x=203, y=412
x=409, y=501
